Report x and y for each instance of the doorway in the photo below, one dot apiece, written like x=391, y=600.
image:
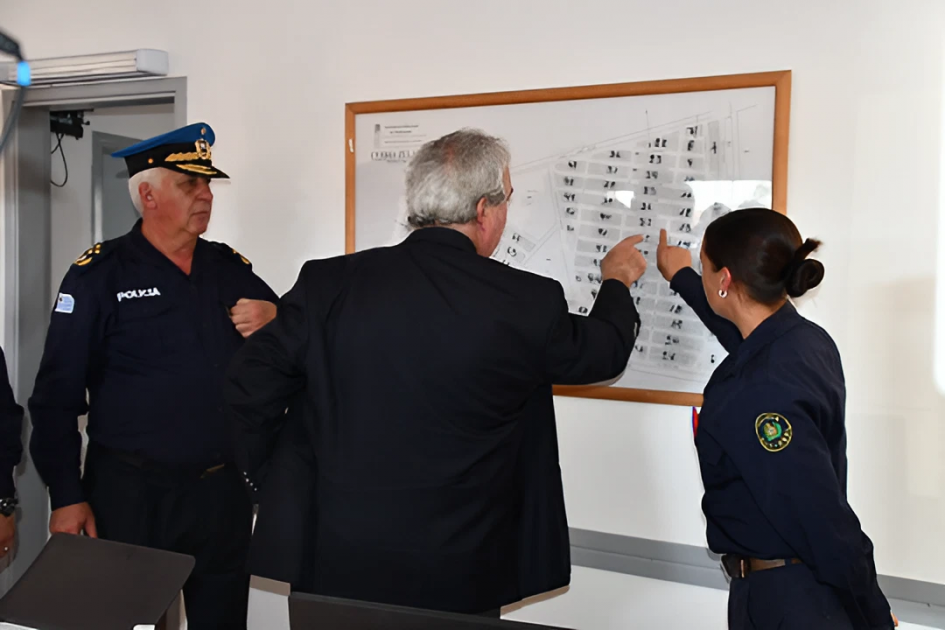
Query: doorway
x=45, y=227
x=89, y=200
x=113, y=214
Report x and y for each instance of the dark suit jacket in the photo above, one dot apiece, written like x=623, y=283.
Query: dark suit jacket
x=418, y=464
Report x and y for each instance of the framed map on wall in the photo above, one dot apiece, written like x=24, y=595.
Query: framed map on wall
x=590, y=166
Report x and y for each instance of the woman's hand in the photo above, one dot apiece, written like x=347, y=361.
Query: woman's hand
x=671, y=260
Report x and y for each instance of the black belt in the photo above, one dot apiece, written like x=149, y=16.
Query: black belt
x=740, y=567
x=148, y=465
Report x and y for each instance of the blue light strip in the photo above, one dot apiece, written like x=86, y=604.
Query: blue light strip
x=23, y=74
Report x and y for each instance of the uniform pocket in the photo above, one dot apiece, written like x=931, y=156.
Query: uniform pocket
x=827, y=603
x=143, y=327
x=789, y=598
x=770, y=597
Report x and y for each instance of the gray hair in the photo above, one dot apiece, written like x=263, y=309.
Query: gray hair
x=447, y=178
x=153, y=176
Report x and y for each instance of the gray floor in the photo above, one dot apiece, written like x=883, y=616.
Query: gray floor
x=601, y=600
x=596, y=600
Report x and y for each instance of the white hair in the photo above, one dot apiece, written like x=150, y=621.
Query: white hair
x=153, y=176
x=448, y=177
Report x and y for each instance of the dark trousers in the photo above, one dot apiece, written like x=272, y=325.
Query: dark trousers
x=786, y=598
x=209, y=518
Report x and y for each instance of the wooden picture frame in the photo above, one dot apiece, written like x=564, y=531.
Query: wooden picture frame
x=779, y=80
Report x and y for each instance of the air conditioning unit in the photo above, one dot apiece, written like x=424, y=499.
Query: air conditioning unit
x=132, y=64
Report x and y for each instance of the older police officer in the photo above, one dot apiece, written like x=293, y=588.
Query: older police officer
x=147, y=323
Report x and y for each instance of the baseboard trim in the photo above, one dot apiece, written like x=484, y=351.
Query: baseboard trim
x=913, y=601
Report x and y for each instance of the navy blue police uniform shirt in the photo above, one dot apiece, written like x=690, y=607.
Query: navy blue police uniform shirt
x=151, y=345
x=11, y=427
x=772, y=450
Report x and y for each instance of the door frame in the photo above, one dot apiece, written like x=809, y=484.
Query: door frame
x=26, y=249
x=102, y=142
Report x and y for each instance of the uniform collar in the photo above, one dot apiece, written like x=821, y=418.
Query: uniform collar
x=443, y=236
x=143, y=247
x=780, y=322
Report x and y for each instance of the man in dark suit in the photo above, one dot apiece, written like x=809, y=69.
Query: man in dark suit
x=418, y=462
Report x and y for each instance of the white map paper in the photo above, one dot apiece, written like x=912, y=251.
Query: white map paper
x=587, y=174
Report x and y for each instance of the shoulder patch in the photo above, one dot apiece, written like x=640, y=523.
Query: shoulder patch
x=93, y=254
x=773, y=431
x=226, y=250
x=65, y=303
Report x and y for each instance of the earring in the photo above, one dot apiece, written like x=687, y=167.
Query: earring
x=723, y=294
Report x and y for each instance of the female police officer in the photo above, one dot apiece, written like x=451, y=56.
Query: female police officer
x=771, y=439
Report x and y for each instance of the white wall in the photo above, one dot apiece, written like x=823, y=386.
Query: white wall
x=71, y=205
x=3, y=279
x=866, y=140
x=3, y=253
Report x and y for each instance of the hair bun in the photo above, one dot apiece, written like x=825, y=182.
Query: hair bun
x=804, y=274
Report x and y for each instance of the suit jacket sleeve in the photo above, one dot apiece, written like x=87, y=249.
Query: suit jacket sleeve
x=11, y=426
x=688, y=284
x=584, y=350
x=263, y=377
